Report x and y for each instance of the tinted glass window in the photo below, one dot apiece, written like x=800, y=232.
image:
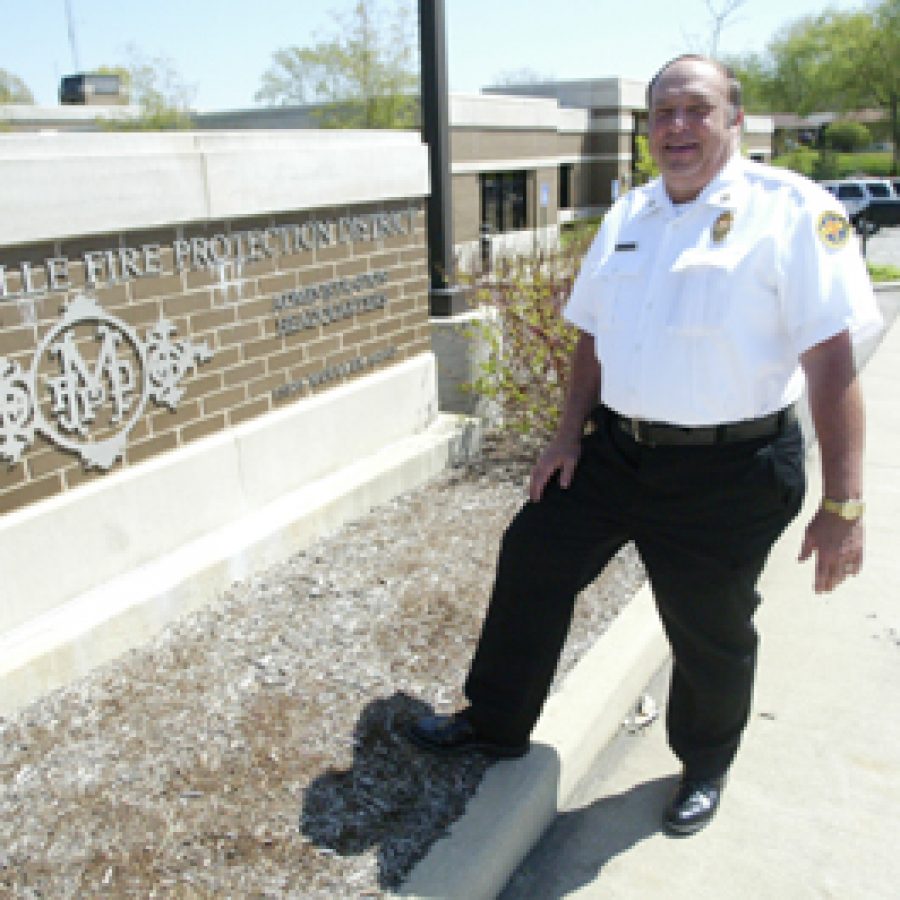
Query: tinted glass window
x=879, y=190
x=504, y=198
x=849, y=190
x=565, y=185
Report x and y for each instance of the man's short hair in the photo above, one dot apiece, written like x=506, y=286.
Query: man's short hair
x=735, y=99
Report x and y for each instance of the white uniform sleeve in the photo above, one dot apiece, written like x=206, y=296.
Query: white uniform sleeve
x=825, y=285
x=584, y=301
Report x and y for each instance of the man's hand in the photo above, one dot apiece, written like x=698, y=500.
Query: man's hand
x=838, y=548
x=835, y=400
x=560, y=455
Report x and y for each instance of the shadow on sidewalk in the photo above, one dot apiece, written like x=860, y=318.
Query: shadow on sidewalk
x=393, y=797
x=582, y=841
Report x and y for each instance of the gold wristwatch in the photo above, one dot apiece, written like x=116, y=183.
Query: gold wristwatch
x=850, y=510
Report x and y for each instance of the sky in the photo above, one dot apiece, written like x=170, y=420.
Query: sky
x=221, y=48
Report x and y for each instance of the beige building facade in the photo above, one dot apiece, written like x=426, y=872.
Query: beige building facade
x=527, y=161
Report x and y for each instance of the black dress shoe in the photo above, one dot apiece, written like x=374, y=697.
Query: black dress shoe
x=456, y=734
x=694, y=804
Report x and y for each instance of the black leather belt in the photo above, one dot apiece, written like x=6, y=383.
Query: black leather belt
x=654, y=433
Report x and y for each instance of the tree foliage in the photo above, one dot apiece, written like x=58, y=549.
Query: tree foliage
x=13, y=89
x=835, y=61
x=365, y=75
x=158, y=89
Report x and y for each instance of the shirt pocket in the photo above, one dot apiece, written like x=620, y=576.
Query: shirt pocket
x=705, y=283
x=618, y=278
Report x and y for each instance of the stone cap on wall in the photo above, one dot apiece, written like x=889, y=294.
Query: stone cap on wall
x=502, y=112
x=498, y=111
x=583, y=93
x=145, y=180
x=54, y=116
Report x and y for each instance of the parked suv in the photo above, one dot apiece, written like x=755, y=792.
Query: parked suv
x=870, y=202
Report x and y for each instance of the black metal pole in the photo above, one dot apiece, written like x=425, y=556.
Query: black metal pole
x=447, y=298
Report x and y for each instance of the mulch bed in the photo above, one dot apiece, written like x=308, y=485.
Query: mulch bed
x=255, y=748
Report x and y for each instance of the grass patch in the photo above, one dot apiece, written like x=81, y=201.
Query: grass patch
x=581, y=231
x=883, y=272
x=806, y=161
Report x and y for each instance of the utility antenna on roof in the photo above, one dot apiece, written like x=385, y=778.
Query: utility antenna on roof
x=72, y=45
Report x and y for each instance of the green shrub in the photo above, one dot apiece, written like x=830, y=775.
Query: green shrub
x=846, y=137
x=645, y=167
x=530, y=345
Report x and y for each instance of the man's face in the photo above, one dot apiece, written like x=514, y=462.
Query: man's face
x=691, y=131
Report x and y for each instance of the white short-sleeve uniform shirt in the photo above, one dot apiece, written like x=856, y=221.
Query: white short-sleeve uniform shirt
x=700, y=312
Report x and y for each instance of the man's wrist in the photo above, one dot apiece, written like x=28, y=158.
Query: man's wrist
x=848, y=510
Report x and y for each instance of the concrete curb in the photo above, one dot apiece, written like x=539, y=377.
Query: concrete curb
x=124, y=612
x=517, y=800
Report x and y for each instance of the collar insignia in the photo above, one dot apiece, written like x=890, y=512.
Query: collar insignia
x=722, y=226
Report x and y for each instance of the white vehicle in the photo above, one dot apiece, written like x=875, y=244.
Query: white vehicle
x=870, y=202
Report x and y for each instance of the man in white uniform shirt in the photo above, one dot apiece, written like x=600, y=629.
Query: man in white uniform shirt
x=708, y=299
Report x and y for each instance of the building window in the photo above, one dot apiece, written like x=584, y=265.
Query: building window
x=565, y=185
x=504, y=201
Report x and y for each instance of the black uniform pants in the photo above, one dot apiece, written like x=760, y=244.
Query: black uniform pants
x=703, y=519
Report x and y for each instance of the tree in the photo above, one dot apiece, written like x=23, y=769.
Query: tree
x=836, y=61
x=841, y=61
x=365, y=75
x=754, y=71
x=158, y=89
x=879, y=74
x=719, y=14
x=13, y=89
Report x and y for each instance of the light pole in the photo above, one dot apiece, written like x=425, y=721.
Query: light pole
x=446, y=298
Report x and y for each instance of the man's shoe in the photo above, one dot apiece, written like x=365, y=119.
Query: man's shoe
x=694, y=804
x=456, y=734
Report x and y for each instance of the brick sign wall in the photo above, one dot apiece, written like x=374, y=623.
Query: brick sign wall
x=273, y=308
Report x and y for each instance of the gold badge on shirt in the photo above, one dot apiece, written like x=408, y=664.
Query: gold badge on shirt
x=722, y=226
x=833, y=230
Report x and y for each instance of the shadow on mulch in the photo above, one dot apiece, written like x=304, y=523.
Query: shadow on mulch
x=394, y=797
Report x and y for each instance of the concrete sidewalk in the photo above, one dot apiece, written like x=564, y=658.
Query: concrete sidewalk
x=812, y=808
